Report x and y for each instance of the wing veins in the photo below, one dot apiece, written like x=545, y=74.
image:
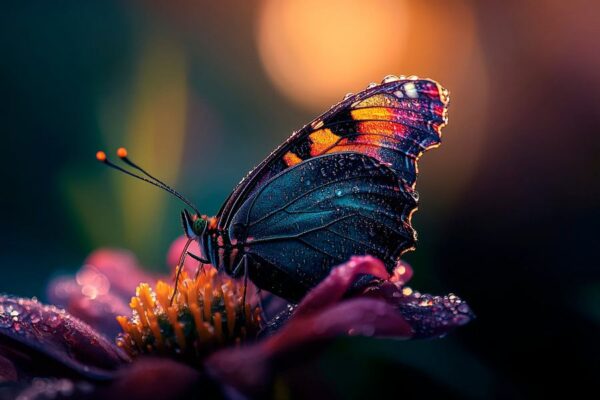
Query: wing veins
x=355, y=241
x=320, y=250
x=302, y=195
x=298, y=235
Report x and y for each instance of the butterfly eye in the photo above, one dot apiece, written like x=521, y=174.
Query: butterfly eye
x=199, y=226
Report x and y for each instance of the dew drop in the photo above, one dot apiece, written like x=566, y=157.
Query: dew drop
x=54, y=321
x=338, y=192
x=348, y=95
x=371, y=85
x=411, y=90
x=390, y=78
x=316, y=124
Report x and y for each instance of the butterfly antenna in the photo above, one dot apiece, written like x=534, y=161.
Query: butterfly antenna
x=122, y=153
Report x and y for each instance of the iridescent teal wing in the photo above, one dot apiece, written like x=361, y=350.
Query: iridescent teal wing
x=317, y=214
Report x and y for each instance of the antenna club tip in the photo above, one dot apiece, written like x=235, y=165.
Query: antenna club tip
x=101, y=156
x=122, y=152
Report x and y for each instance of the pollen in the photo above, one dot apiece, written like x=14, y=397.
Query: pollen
x=207, y=313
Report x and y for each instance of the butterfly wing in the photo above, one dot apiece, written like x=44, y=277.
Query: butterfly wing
x=393, y=122
x=319, y=213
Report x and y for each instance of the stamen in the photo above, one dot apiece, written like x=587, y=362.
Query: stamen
x=207, y=313
x=137, y=307
x=163, y=293
x=230, y=310
x=203, y=333
x=207, y=301
x=172, y=314
x=157, y=335
x=218, y=326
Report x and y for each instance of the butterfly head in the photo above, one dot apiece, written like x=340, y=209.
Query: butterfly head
x=194, y=226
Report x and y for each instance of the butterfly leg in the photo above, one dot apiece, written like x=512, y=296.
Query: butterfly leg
x=198, y=258
x=243, y=262
x=263, y=312
x=245, y=284
x=202, y=263
x=200, y=268
x=179, y=268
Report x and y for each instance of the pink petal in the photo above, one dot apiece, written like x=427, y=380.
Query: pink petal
x=156, y=378
x=300, y=338
x=190, y=265
x=359, y=316
x=340, y=279
x=45, y=330
x=248, y=369
x=101, y=289
x=8, y=372
x=87, y=302
x=121, y=269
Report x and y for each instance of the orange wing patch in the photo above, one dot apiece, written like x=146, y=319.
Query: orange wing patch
x=291, y=159
x=377, y=113
x=384, y=128
x=322, y=141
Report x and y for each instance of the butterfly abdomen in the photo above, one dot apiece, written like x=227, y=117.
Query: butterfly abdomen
x=222, y=253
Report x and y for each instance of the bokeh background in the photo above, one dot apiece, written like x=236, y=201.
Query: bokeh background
x=201, y=91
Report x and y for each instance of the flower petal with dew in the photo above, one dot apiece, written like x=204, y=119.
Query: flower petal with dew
x=31, y=330
x=384, y=309
x=207, y=337
x=101, y=288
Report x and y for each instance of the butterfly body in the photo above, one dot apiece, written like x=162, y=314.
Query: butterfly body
x=342, y=185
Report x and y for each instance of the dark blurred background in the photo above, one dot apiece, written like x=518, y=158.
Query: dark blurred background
x=201, y=91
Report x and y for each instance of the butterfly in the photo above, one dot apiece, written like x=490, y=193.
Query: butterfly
x=342, y=185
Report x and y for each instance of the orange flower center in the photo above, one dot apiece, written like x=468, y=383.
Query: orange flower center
x=207, y=313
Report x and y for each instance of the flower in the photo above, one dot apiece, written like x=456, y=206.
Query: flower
x=207, y=339
x=208, y=311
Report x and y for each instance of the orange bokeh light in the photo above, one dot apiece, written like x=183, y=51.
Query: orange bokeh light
x=316, y=51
